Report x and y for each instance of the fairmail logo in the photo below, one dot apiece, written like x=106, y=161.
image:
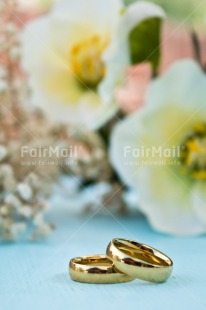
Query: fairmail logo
x=152, y=152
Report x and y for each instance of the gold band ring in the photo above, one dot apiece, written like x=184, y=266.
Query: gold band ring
x=139, y=260
x=97, y=269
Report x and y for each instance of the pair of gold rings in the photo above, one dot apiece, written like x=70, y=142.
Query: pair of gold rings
x=125, y=260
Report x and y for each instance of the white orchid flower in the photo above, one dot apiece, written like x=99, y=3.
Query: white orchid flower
x=71, y=58
x=160, y=151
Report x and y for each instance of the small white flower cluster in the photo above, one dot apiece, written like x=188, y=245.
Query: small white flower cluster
x=90, y=162
x=21, y=205
x=9, y=47
x=22, y=193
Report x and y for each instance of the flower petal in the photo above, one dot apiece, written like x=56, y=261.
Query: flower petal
x=126, y=136
x=178, y=97
x=100, y=14
x=166, y=200
x=199, y=200
x=89, y=113
x=49, y=73
x=179, y=86
x=136, y=13
x=35, y=37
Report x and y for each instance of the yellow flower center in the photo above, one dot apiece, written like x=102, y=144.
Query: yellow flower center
x=86, y=60
x=193, y=155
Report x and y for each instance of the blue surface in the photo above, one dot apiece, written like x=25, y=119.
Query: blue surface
x=34, y=276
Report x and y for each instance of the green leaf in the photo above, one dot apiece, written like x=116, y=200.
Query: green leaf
x=144, y=42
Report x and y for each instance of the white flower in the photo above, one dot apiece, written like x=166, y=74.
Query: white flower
x=24, y=191
x=3, y=86
x=63, y=56
x=3, y=152
x=72, y=60
x=161, y=151
x=3, y=72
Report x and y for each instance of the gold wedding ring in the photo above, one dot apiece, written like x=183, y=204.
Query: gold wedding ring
x=140, y=261
x=97, y=269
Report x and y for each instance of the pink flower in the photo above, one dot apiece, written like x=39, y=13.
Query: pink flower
x=176, y=44
x=132, y=96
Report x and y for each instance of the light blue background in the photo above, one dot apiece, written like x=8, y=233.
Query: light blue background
x=35, y=276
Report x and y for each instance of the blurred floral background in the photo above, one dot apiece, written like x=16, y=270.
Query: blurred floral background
x=102, y=104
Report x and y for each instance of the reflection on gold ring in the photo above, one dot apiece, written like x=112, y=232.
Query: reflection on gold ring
x=96, y=269
x=140, y=260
